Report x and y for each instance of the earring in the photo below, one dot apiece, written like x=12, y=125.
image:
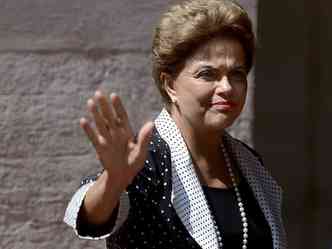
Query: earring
x=174, y=101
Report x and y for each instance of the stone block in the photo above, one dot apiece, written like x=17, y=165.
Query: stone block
x=41, y=25
x=53, y=56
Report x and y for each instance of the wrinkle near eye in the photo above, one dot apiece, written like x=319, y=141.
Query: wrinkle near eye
x=207, y=71
x=208, y=74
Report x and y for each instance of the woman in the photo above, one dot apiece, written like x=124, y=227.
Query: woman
x=184, y=182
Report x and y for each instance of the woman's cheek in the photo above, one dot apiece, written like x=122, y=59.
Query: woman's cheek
x=241, y=92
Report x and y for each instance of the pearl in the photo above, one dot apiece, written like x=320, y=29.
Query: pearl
x=240, y=204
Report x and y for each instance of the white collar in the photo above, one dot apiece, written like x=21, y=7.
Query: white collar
x=188, y=198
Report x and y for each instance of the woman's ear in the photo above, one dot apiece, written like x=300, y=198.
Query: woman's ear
x=168, y=85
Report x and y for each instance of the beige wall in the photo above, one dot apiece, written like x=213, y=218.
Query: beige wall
x=53, y=55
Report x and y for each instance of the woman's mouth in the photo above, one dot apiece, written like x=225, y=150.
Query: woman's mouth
x=224, y=105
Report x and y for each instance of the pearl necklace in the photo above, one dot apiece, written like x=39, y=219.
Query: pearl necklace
x=240, y=205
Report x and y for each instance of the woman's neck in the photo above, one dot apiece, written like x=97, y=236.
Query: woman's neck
x=202, y=143
x=205, y=148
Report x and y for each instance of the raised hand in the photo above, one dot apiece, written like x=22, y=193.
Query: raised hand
x=121, y=156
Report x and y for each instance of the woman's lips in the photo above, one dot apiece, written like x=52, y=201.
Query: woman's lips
x=224, y=105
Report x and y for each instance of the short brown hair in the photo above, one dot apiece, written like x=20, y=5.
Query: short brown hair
x=187, y=25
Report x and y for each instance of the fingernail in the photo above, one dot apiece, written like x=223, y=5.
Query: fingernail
x=82, y=121
x=98, y=93
x=90, y=102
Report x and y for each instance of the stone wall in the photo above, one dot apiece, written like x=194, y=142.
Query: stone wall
x=53, y=56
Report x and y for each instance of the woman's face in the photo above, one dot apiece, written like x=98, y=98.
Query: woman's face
x=211, y=89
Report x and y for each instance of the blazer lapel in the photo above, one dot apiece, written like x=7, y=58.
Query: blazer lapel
x=264, y=187
x=187, y=195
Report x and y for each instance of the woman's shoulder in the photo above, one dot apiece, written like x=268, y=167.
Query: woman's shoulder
x=157, y=160
x=251, y=150
x=159, y=153
x=157, y=143
x=251, y=161
x=240, y=146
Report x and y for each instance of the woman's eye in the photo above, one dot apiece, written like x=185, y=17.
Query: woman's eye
x=207, y=75
x=238, y=76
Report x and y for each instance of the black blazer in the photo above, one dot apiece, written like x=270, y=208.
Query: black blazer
x=152, y=220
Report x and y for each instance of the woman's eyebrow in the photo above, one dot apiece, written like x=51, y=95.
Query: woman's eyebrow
x=204, y=67
x=212, y=67
x=238, y=67
x=207, y=67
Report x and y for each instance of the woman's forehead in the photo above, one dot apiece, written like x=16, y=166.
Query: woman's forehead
x=217, y=52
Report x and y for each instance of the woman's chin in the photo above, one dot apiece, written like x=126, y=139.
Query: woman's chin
x=221, y=121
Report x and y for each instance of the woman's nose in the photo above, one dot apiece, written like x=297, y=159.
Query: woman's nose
x=224, y=85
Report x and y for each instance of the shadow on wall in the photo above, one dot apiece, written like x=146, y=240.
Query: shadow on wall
x=293, y=108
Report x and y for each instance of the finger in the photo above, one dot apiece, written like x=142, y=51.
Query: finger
x=119, y=109
x=99, y=120
x=143, y=139
x=121, y=113
x=105, y=109
x=89, y=132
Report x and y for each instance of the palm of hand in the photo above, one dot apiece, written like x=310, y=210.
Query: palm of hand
x=113, y=138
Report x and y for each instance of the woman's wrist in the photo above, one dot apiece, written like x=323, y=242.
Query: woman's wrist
x=102, y=198
x=113, y=183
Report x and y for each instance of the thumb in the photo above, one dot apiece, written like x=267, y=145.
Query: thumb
x=144, y=136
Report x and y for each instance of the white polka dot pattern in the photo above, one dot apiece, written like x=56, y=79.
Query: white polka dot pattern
x=73, y=208
x=167, y=206
x=265, y=188
x=76, y=202
x=187, y=194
